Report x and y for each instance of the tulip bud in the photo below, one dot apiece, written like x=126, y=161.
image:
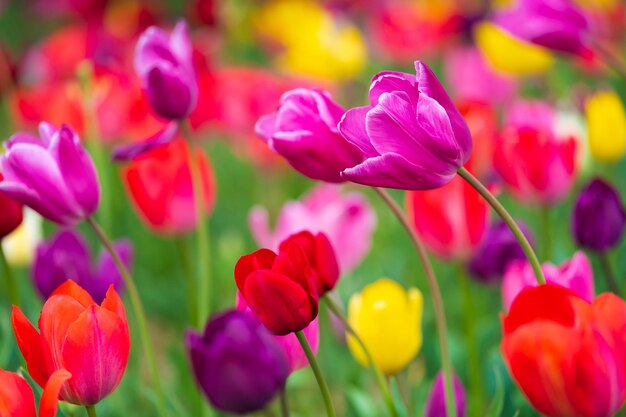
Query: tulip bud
x=388, y=320
x=599, y=216
x=237, y=363
x=436, y=403
x=606, y=126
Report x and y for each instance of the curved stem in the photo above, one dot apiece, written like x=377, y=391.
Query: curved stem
x=138, y=309
x=608, y=273
x=435, y=292
x=14, y=296
x=183, y=249
x=91, y=410
x=380, y=379
x=499, y=208
x=284, y=407
x=317, y=371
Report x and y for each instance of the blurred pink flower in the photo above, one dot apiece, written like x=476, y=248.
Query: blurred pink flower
x=347, y=219
x=575, y=274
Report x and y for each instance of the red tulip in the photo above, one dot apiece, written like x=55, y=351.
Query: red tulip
x=90, y=341
x=17, y=399
x=10, y=214
x=160, y=187
x=279, y=289
x=320, y=255
x=567, y=355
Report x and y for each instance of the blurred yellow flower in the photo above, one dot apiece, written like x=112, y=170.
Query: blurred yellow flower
x=606, y=126
x=388, y=319
x=510, y=55
x=601, y=5
x=314, y=43
x=19, y=247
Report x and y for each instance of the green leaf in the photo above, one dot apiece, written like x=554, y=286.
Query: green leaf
x=495, y=408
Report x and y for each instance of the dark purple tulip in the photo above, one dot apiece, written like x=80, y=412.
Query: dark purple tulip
x=66, y=256
x=496, y=250
x=237, y=362
x=599, y=217
x=436, y=404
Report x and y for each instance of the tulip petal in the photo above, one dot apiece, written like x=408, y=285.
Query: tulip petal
x=179, y=42
x=153, y=45
x=72, y=289
x=131, y=151
x=50, y=398
x=36, y=354
x=389, y=81
x=113, y=303
x=352, y=128
x=16, y=396
x=247, y=264
x=168, y=92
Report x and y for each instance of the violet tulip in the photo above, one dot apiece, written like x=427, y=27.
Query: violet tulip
x=237, y=363
x=52, y=174
x=304, y=131
x=436, y=403
x=164, y=63
x=599, y=217
x=411, y=136
x=575, y=274
x=66, y=255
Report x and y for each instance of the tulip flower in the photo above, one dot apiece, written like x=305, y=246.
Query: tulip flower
x=558, y=25
x=498, y=248
x=280, y=289
x=52, y=174
x=606, y=126
x=319, y=254
x=451, y=220
x=237, y=363
x=575, y=274
x=387, y=318
x=17, y=399
x=436, y=403
x=19, y=247
x=599, y=216
x=164, y=63
x=10, y=214
x=88, y=340
x=537, y=165
x=411, y=136
x=160, y=187
x=567, y=354
x=304, y=131
x=347, y=219
x=66, y=255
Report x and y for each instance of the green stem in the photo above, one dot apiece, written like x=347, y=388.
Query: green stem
x=182, y=246
x=499, y=208
x=547, y=232
x=284, y=407
x=138, y=309
x=91, y=410
x=317, y=371
x=435, y=292
x=380, y=379
x=608, y=273
x=14, y=297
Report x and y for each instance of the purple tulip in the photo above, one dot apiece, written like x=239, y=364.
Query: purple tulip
x=436, y=404
x=554, y=24
x=66, y=256
x=496, y=250
x=164, y=63
x=599, y=217
x=237, y=362
x=411, y=136
x=304, y=131
x=52, y=174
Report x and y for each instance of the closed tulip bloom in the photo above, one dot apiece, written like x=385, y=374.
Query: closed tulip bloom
x=279, y=289
x=567, y=354
x=160, y=187
x=411, y=136
x=90, y=341
x=497, y=249
x=599, y=216
x=304, y=131
x=237, y=363
x=388, y=320
x=164, y=63
x=52, y=174
x=606, y=126
x=17, y=399
x=346, y=218
x=575, y=274
x=320, y=256
x=436, y=403
x=10, y=214
x=66, y=255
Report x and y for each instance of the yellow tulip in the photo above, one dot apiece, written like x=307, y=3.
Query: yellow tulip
x=388, y=320
x=19, y=247
x=510, y=55
x=606, y=126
